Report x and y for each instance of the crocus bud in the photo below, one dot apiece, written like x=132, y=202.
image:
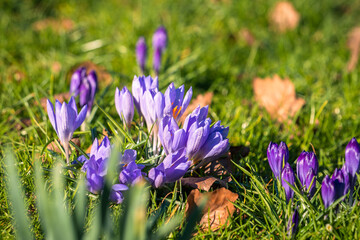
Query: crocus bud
x=306, y=161
x=277, y=155
x=328, y=191
x=287, y=175
x=141, y=51
x=352, y=160
x=116, y=193
x=157, y=60
x=310, y=183
x=124, y=105
x=159, y=40
x=346, y=179
x=293, y=223
x=85, y=86
x=339, y=183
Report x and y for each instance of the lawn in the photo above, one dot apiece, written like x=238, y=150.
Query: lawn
x=43, y=42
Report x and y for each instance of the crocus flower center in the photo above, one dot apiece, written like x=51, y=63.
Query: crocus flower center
x=176, y=111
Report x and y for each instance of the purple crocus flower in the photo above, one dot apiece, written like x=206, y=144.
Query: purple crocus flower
x=171, y=137
x=293, y=223
x=100, y=152
x=175, y=103
x=339, y=183
x=152, y=107
x=141, y=51
x=131, y=172
x=116, y=194
x=287, y=174
x=346, y=179
x=85, y=86
x=307, y=168
x=65, y=120
x=139, y=86
x=328, y=191
x=159, y=42
x=352, y=160
x=95, y=172
x=170, y=170
x=277, y=156
x=124, y=105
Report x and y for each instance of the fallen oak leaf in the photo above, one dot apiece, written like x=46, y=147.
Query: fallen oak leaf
x=219, y=167
x=202, y=183
x=277, y=96
x=216, y=211
x=284, y=16
x=353, y=44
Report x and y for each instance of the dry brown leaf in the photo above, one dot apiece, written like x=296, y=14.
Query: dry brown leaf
x=56, y=67
x=201, y=100
x=217, y=210
x=57, y=25
x=284, y=16
x=61, y=97
x=353, y=44
x=247, y=36
x=54, y=147
x=277, y=96
x=220, y=167
x=25, y=122
x=202, y=183
x=104, y=78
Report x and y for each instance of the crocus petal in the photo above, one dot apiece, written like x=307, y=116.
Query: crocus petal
x=129, y=155
x=186, y=101
x=81, y=117
x=51, y=114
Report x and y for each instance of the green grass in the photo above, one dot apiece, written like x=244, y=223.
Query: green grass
x=205, y=52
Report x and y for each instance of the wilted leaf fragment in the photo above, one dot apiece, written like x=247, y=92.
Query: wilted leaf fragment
x=353, y=44
x=57, y=25
x=284, y=17
x=277, y=96
x=217, y=210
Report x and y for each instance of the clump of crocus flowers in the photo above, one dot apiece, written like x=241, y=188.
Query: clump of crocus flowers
x=177, y=148
x=332, y=188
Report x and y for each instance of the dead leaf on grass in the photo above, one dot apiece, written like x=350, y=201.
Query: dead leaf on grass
x=57, y=25
x=104, y=78
x=201, y=99
x=284, y=16
x=217, y=210
x=353, y=44
x=277, y=96
x=202, y=183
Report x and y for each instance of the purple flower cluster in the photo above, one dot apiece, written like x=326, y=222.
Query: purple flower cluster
x=277, y=155
x=307, y=168
x=85, y=86
x=342, y=179
x=159, y=43
x=96, y=170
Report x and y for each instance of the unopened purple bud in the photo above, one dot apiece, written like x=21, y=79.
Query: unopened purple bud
x=352, y=160
x=310, y=183
x=339, y=183
x=287, y=175
x=277, y=155
x=116, y=193
x=159, y=40
x=306, y=162
x=328, y=191
x=346, y=179
x=85, y=86
x=157, y=60
x=124, y=105
x=293, y=223
x=141, y=51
